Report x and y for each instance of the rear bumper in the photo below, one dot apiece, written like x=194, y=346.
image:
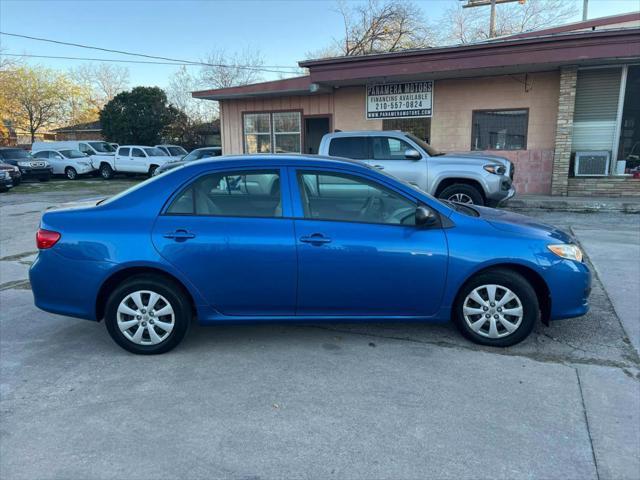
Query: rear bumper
x=65, y=286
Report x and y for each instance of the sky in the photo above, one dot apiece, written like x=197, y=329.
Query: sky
x=284, y=31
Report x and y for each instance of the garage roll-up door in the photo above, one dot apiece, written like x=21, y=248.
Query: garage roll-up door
x=594, y=121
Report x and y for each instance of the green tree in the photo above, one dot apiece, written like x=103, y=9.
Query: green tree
x=141, y=116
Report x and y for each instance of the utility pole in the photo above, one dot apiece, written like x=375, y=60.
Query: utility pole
x=492, y=3
x=585, y=9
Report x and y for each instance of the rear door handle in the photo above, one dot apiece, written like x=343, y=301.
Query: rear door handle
x=315, y=239
x=180, y=235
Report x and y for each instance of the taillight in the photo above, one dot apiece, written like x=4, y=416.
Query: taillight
x=46, y=238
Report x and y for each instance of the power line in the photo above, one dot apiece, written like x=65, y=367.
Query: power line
x=266, y=68
x=98, y=59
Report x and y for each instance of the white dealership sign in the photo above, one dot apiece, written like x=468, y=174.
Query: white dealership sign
x=399, y=100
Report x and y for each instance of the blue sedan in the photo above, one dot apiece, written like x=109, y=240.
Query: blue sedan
x=300, y=238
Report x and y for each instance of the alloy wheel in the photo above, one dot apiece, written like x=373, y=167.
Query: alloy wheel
x=461, y=198
x=145, y=317
x=492, y=311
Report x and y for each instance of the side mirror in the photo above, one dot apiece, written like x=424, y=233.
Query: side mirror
x=412, y=154
x=425, y=217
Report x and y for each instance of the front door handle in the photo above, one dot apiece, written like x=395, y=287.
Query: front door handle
x=180, y=235
x=316, y=239
x=379, y=167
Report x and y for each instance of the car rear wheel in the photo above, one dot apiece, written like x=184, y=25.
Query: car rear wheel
x=462, y=193
x=497, y=308
x=71, y=173
x=148, y=315
x=106, y=171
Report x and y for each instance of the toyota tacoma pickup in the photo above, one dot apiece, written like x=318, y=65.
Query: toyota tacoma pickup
x=130, y=159
x=471, y=178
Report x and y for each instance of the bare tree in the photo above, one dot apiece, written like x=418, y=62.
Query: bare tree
x=105, y=80
x=378, y=27
x=229, y=70
x=471, y=25
x=181, y=84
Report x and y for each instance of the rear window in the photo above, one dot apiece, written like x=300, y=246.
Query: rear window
x=124, y=151
x=349, y=147
x=15, y=153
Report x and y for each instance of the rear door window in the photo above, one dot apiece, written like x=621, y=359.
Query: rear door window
x=356, y=148
x=235, y=194
x=123, y=152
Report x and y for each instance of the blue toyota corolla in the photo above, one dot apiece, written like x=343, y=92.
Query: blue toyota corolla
x=298, y=238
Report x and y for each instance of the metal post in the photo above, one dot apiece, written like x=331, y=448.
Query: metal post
x=585, y=9
x=492, y=20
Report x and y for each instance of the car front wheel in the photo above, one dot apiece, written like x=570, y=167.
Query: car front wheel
x=71, y=173
x=462, y=193
x=147, y=315
x=497, y=308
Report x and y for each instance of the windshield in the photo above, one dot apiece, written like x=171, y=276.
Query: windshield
x=176, y=151
x=15, y=154
x=424, y=145
x=154, y=152
x=102, y=147
x=73, y=153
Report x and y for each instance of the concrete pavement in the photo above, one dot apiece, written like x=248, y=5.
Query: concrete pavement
x=368, y=401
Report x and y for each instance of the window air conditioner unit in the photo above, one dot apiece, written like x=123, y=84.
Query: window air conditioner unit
x=589, y=164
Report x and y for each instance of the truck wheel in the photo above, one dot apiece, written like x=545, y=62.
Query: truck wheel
x=152, y=170
x=71, y=173
x=462, y=193
x=106, y=171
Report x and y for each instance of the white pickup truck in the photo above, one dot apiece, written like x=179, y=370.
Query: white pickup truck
x=130, y=159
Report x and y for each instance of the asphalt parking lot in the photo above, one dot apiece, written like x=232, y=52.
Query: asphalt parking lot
x=392, y=401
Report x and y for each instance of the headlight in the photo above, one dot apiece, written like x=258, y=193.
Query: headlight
x=495, y=169
x=567, y=250
x=24, y=164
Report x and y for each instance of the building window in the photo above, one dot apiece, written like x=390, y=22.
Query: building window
x=499, y=129
x=272, y=132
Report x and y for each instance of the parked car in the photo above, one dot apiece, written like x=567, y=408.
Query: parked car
x=131, y=159
x=300, y=238
x=14, y=173
x=5, y=179
x=175, y=151
x=68, y=162
x=477, y=179
x=29, y=167
x=197, y=154
x=89, y=147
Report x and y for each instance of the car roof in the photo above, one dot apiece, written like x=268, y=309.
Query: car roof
x=367, y=133
x=274, y=159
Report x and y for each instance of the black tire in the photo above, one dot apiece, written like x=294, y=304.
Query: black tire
x=45, y=179
x=71, y=173
x=152, y=170
x=106, y=171
x=519, y=286
x=463, y=190
x=175, y=296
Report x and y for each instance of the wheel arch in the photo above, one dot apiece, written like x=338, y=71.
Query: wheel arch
x=532, y=276
x=119, y=276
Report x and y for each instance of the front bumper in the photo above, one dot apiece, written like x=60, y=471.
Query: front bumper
x=569, y=283
x=35, y=172
x=6, y=184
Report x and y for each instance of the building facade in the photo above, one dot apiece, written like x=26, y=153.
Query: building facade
x=563, y=104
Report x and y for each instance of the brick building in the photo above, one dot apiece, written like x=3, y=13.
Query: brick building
x=562, y=103
x=80, y=131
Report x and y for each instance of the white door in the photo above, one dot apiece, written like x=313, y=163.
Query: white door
x=138, y=160
x=123, y=160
